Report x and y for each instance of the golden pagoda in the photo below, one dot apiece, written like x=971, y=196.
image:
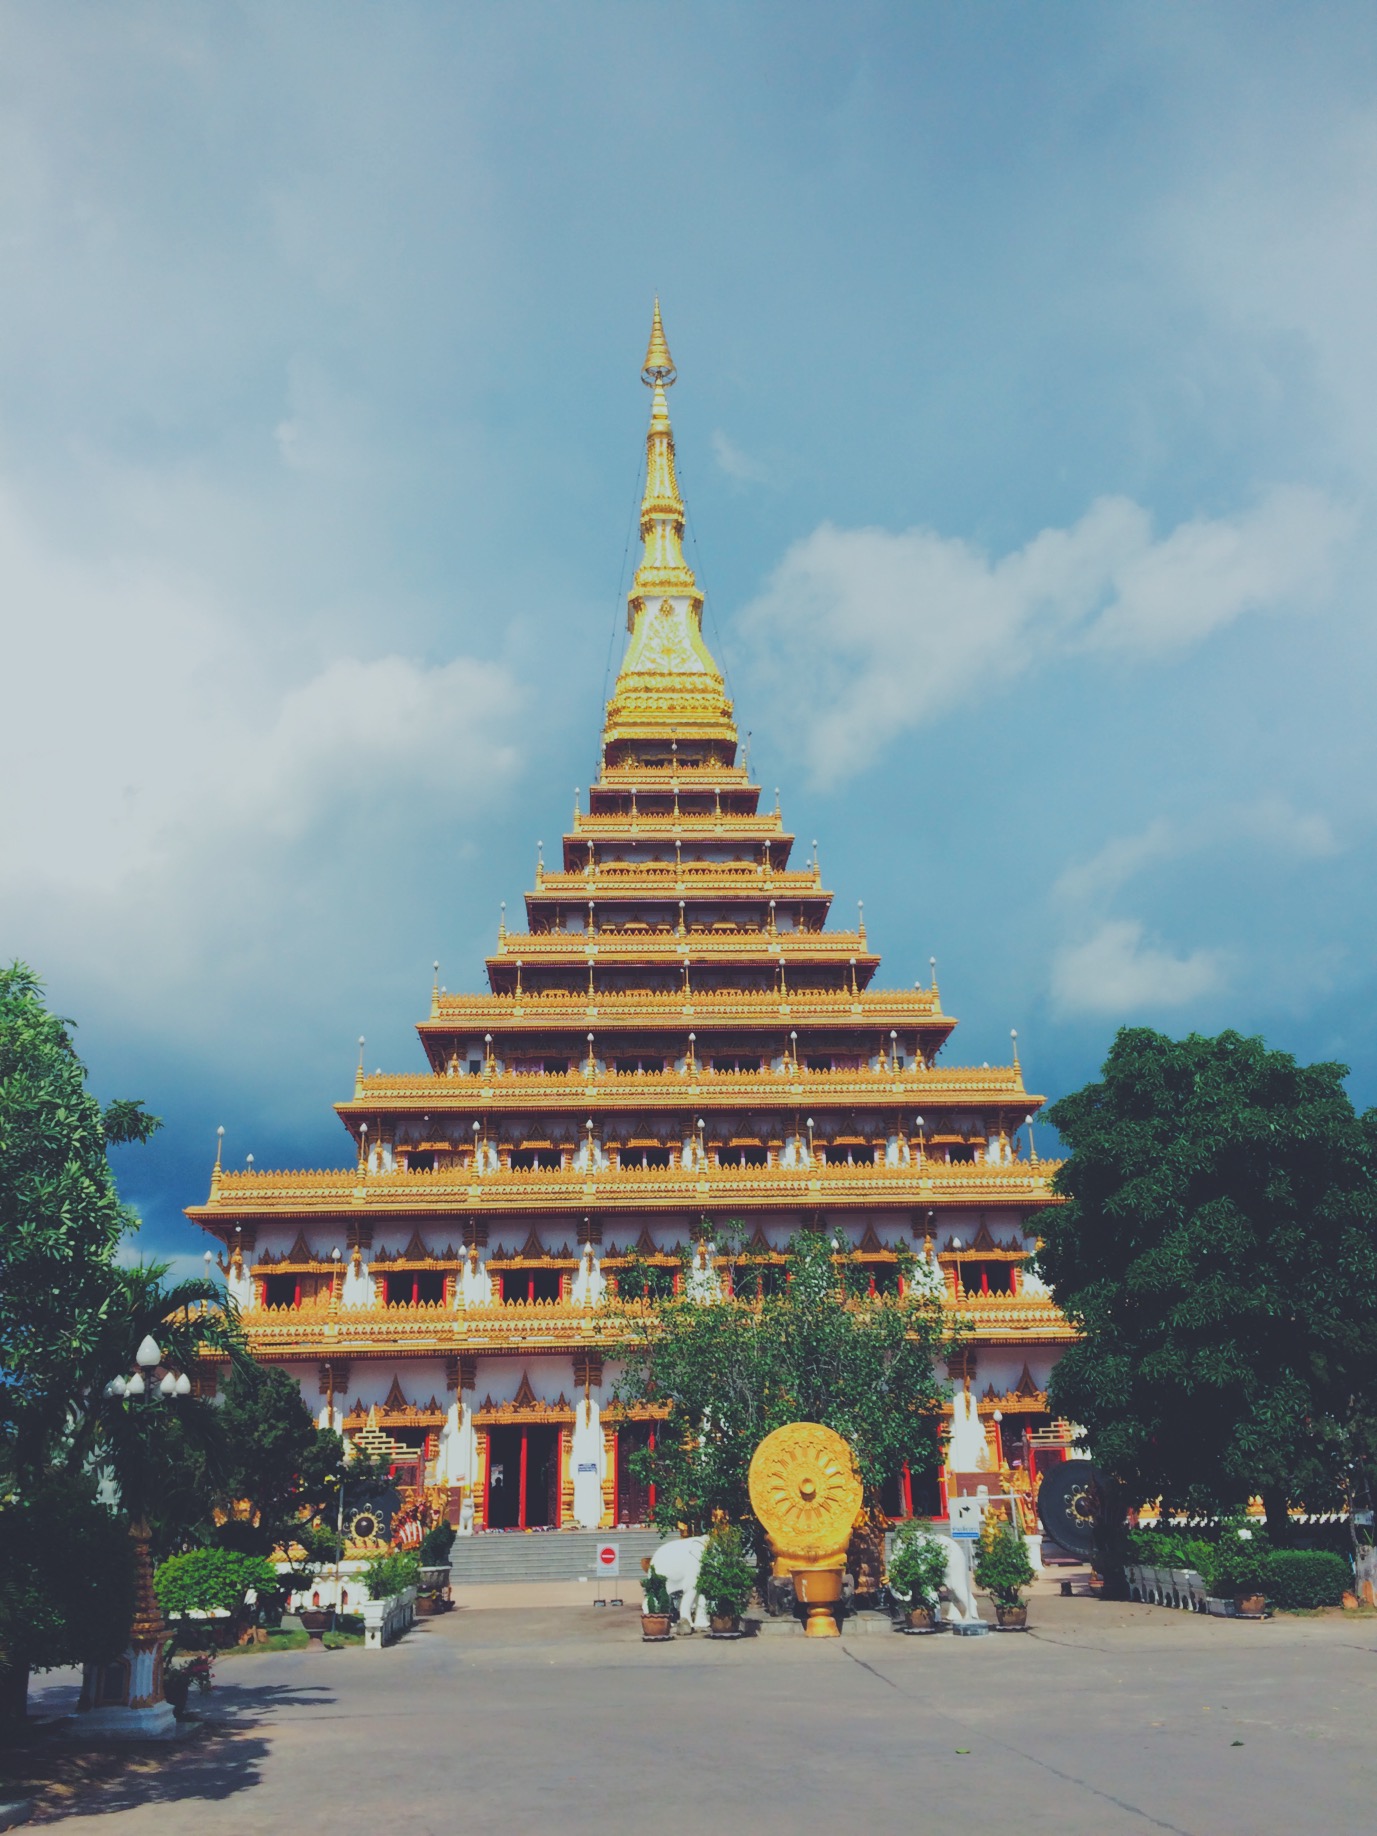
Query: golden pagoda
x=676, y=1041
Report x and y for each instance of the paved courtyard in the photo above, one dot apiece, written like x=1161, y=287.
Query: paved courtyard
x=1104, y=1718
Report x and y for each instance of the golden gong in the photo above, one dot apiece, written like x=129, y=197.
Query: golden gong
x=805, y=1491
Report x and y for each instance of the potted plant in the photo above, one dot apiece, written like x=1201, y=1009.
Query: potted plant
x=655, y=1612
x=917, y=1570
x=1238, y=1569
x=1002, y=1568
x=726, y=1577
x=435, y=1569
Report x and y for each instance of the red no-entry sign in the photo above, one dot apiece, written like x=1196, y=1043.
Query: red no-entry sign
x=609, y=1559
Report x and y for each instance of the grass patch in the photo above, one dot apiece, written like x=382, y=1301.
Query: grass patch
x=291, y=1641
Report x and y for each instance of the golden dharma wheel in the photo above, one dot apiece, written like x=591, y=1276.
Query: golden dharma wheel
x=805, y=1490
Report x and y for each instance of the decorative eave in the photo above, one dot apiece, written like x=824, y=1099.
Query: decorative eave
x=454, y=1192
x=939, y=1087
x=546, y=1009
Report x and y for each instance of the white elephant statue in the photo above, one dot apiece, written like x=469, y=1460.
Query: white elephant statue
x=961, y=1607
x=679, y=1561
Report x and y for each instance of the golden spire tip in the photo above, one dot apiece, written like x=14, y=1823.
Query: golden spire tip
x=659, y=365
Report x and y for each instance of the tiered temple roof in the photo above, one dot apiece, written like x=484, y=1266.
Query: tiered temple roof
x=677, y=1039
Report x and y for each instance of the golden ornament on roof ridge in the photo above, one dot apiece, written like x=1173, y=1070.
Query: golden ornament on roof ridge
x=659, y=365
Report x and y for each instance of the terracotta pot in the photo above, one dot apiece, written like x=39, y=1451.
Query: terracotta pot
x=1250, y=1606
x=1011, y=1618
x=922, y=1619
x=317, y=1621
x=726, y=1624
x=655, y=1627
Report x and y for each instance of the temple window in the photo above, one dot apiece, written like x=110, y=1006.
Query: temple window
x=882, y=1277
x=962, y=1155
x=987, y=1277
x=281, y=1291
x=743, y=1157
x=526, y=1160
x=530, y=1285
x=414, y=1288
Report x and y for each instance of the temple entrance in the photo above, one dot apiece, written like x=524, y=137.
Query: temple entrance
x=523, y=1477
x=635, y=1499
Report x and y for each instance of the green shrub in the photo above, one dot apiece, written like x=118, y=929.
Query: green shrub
x=210, y=1581
x=918, y=1564
x=390, y=1574
x=726, y=1574
x=1169, y=1549
x=1002, y=1567
x=1238, y=1563
x=439, y=1541
x=656, y=1591
x=1306, y=1578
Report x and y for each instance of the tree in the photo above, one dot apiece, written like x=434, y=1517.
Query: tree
x=282, y=1471
x=167, y=1461
x=66, y=1583
x=61, y=1220
x=821, y=1348
x=1218, y=1253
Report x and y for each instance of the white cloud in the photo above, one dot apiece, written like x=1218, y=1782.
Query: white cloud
x=1272, y=823
x=862, y=634
x=737, y=465
x=1114, y=971
x=198, y=805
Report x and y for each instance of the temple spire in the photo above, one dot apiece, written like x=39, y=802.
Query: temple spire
x=669, y=687
x=662, y=567
x=659, y=365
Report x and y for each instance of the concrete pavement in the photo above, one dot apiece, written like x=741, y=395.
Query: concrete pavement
x=1106, y=1718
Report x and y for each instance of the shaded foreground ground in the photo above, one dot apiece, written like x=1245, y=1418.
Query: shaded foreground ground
x=1104, y=1718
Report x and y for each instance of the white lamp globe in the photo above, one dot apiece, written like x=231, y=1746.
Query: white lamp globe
x=149, y=1353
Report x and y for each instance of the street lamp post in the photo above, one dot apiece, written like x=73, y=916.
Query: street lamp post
x=124, y=1700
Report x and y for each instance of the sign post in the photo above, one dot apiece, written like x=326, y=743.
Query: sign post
x=608, y=1559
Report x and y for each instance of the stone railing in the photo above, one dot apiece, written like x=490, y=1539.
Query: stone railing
x=609, y=940
x=520, y=1089
x=552, y=1006
x=385, y=1621
x=661, y=878
x=889, y=1185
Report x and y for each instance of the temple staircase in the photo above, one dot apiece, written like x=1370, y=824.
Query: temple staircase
x=546, y=1555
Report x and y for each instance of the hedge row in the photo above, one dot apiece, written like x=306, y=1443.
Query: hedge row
x=1288, y=1577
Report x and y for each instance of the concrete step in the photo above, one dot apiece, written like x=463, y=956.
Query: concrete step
x=545, y=1555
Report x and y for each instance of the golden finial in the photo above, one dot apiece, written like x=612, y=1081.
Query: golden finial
x=1013, y=1034
x=219, y=1144
x=659, y=365
x=358, y=1075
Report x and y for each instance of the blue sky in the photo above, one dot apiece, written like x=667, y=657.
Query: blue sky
x=1027, y=416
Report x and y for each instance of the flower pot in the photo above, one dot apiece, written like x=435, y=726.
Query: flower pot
x=725, y=1625
x=655, y=1628
x=1011, y=1618
x=923, y=1619
x=316, y=1622
x=819, y=1589
x=1249, y=1606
